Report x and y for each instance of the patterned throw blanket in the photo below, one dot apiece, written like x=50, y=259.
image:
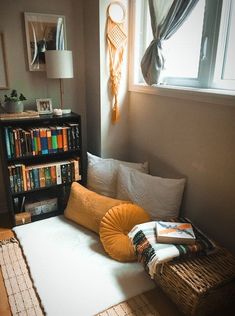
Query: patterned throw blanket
x=151, y=253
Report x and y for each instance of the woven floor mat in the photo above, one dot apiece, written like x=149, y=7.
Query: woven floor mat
x=136, y=306
x=21, y=293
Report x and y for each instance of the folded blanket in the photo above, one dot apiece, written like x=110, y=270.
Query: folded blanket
x=150, y=253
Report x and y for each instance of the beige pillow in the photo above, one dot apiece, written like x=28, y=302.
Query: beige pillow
x=102, y=173
x=87, y=208
x=160, y=197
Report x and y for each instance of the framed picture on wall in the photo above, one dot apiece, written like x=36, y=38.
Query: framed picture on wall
x=3, y=64
x=43, y=32
x=44, y=106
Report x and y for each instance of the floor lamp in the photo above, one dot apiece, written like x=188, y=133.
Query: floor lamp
x=59, y=65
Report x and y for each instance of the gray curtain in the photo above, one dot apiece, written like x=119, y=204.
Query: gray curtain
x=166, y=17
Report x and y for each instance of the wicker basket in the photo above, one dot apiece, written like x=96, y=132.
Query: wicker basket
x=199, y=285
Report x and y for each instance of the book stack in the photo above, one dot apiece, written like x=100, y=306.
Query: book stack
x=175, y=233
x=26, y=178
x=41, y=140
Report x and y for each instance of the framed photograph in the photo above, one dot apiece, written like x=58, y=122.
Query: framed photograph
x=44, y=106
x=3, y=64
x=43, y=32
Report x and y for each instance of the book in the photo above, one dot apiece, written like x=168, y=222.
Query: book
x=43, y=140
x=175, y=233
x=54, y=140
x=59, y=138
x=7, y=141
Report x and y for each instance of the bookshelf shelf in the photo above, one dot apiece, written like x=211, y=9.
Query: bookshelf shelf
x=15, y=194
x=41, y=157
x=45, y=157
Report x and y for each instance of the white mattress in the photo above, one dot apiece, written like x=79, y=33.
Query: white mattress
x=71, y=272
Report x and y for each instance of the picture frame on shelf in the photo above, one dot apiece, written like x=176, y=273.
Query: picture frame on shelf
x=44, y=106
x=3, y=64
x=43, y=32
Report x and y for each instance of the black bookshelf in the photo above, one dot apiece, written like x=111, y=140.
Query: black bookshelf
x=17, y=200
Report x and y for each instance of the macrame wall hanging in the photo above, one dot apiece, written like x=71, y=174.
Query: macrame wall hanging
x=116, y=40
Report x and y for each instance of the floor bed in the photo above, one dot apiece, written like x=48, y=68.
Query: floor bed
x=72, y=273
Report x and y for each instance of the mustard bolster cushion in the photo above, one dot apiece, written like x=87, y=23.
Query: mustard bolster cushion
x=114, y=229
x=87, y=208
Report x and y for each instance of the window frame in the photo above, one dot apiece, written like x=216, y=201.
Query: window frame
x=185, y=91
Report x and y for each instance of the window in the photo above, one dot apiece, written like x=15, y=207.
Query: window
x=200, y=54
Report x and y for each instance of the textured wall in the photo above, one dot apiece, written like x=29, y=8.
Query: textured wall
x=196, y=140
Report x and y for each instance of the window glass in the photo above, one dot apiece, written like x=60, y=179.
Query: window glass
x=182, y=49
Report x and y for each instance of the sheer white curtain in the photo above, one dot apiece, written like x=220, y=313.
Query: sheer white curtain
x=166, y=17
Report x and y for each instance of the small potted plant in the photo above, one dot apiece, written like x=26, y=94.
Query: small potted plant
x=14, y=103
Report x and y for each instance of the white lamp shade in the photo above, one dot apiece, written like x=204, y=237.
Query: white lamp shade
x=59, y=64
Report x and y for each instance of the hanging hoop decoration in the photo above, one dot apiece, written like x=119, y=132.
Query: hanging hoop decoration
x=116, y=40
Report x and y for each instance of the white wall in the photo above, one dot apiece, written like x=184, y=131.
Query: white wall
x=195, y=140
x=114, y=137
x=104, y=137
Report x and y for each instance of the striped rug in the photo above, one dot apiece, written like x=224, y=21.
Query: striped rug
x=22, y=295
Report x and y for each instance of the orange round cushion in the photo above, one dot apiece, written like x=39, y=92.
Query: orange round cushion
x=114, y=229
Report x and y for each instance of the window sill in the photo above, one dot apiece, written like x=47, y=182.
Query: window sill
x=216, y=96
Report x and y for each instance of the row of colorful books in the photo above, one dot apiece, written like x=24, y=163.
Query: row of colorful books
x=25, y=178
x=41, y=140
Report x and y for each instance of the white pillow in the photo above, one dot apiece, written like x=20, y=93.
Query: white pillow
x=102, y=174
x=160, y=197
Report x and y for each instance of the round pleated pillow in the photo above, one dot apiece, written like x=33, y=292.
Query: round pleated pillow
x=114, y=229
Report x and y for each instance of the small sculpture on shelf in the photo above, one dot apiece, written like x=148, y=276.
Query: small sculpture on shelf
x=14, y=103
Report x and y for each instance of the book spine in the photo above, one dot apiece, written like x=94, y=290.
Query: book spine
x=22, y=142
x=72, y=170
x=73, y=140
x=69, y=173
x=38, y=142
x=49, y=141
x=19, y=141
x=28, y=185
x=7, y=141
x=69, y=138
x=65, y=138
x=24, y=178
x=47, y=176
x=11, y=178
x=35, y=142
x=59, y=138
x=14, y=179
x=53, y=174
x=32, y=141
x=32, y=185
x=36, y=180
x=58, y=174
x=25, y=133
x=16, y=142
x=54, y=140
x=19, y=180
x=64, y=173
x=77, y=141
x=76, y=169
x=29, y=144
x=12, y=142
x=44, y=141
x=42, y=179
